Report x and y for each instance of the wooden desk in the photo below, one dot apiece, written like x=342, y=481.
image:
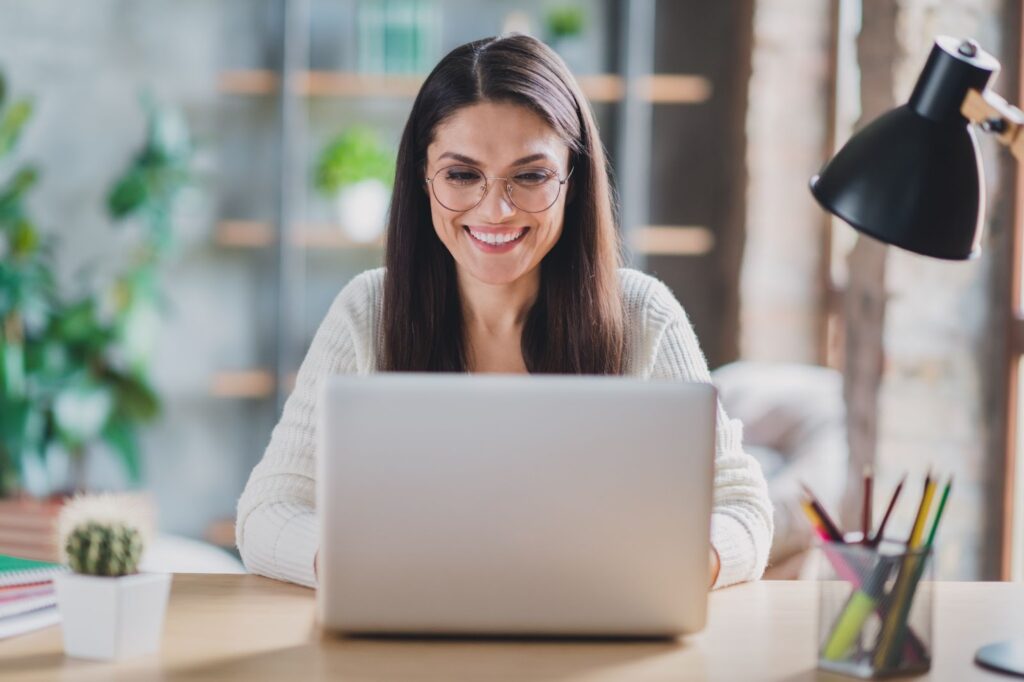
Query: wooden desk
x=250, y=628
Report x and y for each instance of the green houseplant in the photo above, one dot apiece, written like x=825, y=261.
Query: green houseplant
x=565, y=21
x=74, y=368
x=357, y=172
x=27, y=303
x=565, y=25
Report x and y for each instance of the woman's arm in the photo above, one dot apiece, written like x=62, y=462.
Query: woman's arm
x=277, y=530
x=741, y=515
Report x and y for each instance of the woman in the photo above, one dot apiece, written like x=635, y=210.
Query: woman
x=502, y=256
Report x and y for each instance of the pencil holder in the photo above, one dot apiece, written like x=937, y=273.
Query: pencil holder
x=874, y=609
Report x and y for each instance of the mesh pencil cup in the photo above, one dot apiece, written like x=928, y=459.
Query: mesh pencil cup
x=874, y=609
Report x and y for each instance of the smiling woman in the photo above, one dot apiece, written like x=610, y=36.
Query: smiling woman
x=502, y=256
x=492, y=138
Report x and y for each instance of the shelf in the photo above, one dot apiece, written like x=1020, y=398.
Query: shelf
x=654, y=240
x=252, y=234
x=674, y=89
x=255, y=383
x=656, y=88
x=672, y=240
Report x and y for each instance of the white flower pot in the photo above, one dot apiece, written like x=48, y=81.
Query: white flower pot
x=108, y=618
x=362, y=210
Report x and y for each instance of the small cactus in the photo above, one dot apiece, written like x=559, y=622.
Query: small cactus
x=108, y=549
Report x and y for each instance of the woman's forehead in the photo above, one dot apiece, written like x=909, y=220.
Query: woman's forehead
x=496, y=134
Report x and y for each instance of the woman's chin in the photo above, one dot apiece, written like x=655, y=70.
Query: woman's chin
x=496, y=274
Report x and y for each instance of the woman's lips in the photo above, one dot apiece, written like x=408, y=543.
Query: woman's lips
x=496, y=241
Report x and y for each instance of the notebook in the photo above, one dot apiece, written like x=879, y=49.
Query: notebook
x=19, y=606
x=17, y=592
x=27, y=622
x=17, y=571
x=27, y=599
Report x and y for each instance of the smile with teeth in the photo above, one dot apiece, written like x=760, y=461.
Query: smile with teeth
x=496, y=239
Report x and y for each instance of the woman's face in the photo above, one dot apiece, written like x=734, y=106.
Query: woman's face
x=497, y=140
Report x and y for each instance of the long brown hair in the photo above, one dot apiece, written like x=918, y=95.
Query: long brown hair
x=576, y=324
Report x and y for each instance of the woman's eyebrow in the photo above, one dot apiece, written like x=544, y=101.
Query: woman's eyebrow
x=461, y=158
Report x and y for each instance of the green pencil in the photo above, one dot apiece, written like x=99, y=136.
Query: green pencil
x=938, y=513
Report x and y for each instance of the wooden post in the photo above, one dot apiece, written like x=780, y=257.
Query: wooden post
x=864, y=302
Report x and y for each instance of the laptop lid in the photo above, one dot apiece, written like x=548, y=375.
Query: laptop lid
x=529, y=505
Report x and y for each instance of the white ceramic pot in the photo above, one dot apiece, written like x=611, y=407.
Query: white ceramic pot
x=109, y=618
x=362, y=210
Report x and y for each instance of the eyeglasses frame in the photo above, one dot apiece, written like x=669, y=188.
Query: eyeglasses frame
x=487, y=188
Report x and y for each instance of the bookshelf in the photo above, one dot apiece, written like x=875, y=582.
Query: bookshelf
x=645, y=62
x=309, y=91
x=599, y=88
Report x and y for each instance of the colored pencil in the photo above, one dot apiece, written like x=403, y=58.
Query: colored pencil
x=839, y=563
x=830, y=525
x=865, y=510
x=815, y=520
x=938, y=513
x=888, y=511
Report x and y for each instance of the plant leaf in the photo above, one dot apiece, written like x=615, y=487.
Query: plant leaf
x=122, y=437
x=129, y=193
x=11, y=124
x=134, y=398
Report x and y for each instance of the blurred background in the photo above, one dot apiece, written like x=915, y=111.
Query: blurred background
x=185, y=185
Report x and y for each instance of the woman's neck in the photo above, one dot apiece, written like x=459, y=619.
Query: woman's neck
x=497, y=309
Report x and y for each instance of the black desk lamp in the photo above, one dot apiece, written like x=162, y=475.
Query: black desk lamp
x=913, y=178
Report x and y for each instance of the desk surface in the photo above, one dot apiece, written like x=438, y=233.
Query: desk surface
x=247, y=627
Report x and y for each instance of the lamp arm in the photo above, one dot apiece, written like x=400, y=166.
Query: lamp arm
x=995, y=115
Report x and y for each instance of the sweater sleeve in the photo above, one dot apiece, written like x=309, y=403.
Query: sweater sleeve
x=741, y=514
x=276, y=528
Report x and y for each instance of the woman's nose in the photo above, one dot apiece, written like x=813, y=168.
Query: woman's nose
x=496, y=203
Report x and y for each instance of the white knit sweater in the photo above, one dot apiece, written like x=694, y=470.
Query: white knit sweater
x=277, y=523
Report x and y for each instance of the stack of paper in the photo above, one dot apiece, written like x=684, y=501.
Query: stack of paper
x=27, y=598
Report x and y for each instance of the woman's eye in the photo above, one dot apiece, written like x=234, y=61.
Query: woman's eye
x=461, y=176
x=532, y=177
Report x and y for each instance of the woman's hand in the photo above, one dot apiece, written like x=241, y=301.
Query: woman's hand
x=715, y=565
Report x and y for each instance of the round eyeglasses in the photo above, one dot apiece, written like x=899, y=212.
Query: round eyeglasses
x=461, y=188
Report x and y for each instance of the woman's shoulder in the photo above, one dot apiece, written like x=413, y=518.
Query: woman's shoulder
x=651, y=310
x=349, y=328
x=362, y=291
x=356, y=305
x=647, y=300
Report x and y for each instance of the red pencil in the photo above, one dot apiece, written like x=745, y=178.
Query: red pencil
x=892, y=503
x=865, y=512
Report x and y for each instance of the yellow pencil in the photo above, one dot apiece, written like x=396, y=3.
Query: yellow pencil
x=922, y=514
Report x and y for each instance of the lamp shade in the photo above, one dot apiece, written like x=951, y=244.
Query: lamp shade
x=912, y=177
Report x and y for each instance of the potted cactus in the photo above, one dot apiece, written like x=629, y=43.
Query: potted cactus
x=109, y=610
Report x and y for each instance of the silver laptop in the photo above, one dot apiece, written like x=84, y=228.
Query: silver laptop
x=514, y=505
